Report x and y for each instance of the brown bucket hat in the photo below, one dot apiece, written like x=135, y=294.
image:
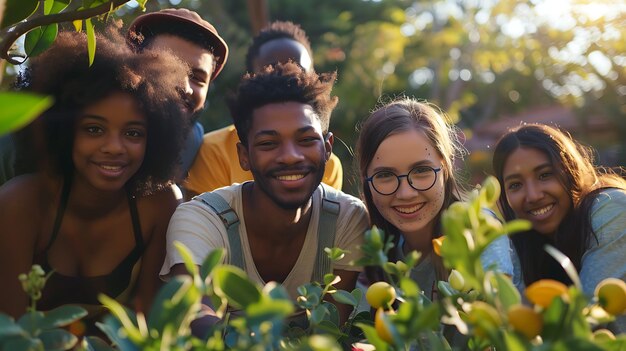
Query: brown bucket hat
x=184, y=16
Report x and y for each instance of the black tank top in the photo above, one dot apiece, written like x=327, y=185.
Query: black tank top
x=62, y=289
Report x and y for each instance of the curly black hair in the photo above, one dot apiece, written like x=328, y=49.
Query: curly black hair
x=276, y=30
x=283, y=82
x=153, y=79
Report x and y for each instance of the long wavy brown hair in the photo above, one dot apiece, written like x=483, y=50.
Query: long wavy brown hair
x=575, y=169
x=396, y=117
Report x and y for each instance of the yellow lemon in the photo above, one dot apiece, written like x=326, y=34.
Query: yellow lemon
x=381, y=328
x=437, y=242
x=483, y=317
x=543, y=291
x=380, y=294
x=603, y=335
x=525, y=320
x=611, y=293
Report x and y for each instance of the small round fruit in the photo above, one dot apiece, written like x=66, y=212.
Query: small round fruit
x=543, y=291
x=381, y=329
x=525, y=320
x=380, y=294
x=611, y=293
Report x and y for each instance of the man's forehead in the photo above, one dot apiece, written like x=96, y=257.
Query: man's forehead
x=275, y=115
x=282, y=50
x=196, y=56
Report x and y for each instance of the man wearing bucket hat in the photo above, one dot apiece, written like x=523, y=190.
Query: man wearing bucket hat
x=196, y=42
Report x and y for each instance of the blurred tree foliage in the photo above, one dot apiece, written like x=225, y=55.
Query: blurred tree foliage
x=477, y=59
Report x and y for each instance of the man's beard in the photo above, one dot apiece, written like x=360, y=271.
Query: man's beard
x=260, y=180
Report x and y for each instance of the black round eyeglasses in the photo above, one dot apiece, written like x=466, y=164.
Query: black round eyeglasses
x=420, y=178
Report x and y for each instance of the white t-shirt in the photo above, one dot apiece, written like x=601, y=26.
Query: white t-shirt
x=201, y=230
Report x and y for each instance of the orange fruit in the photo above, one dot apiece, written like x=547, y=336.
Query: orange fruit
x=437, y=242
x=525, y=320
x=543, y=291
x=380, y=294
x=611, y=293
x=381, y=329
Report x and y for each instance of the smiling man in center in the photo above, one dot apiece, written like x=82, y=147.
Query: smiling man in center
x=276, y=226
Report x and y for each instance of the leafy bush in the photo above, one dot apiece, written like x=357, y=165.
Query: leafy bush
x=478, y=310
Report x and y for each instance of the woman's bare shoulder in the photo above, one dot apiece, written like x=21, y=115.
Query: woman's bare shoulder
x=159, y=206
x=23, y=203
x=25, y=191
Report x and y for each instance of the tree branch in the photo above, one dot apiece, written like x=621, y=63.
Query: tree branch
x=13, y=33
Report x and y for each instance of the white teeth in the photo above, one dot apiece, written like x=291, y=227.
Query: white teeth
x=407, y=209
x=541, y=211
x=291, y=177
x=111, y=168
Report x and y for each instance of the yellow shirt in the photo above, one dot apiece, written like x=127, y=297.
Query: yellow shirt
x=217, y=164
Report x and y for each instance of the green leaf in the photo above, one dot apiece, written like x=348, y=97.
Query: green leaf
x=345, y=297
x=96, y=344
x=446, y=289
x=328, y=327
x=174, y=303
x=409, y=287
x=39, y=39
x=317, y=314
x=131, y=330
x=233, y=284
x=187, y=258
x=357, y=294
x=329, y=278
x=54, y=6
x=57, y=339
x=333, y=313
x=31, y=322
x=268, y=310
x=516, y=225
x=427, y=319
x=91, y=40
x=22, y=344
x=111, y=328
x=212, y=259
x=276, y=291
x=372, y=337
x=580, y=344
x=62, y=316
x=142, y=4
x=515, y=343
x=507, y=295
x=335, y=253
x=17, y=10
x=8, y=327
x=78, y=25
x=553, y=319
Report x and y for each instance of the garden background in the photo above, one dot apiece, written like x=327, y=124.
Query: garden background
x=488, y=64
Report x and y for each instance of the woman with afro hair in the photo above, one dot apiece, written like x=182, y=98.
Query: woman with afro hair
x=95, y=196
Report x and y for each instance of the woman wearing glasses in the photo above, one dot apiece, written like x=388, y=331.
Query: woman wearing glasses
x=406, y=153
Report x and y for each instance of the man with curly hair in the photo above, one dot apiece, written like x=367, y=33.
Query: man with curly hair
x=196, y=42
x=281, y=115
x=216, y=164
